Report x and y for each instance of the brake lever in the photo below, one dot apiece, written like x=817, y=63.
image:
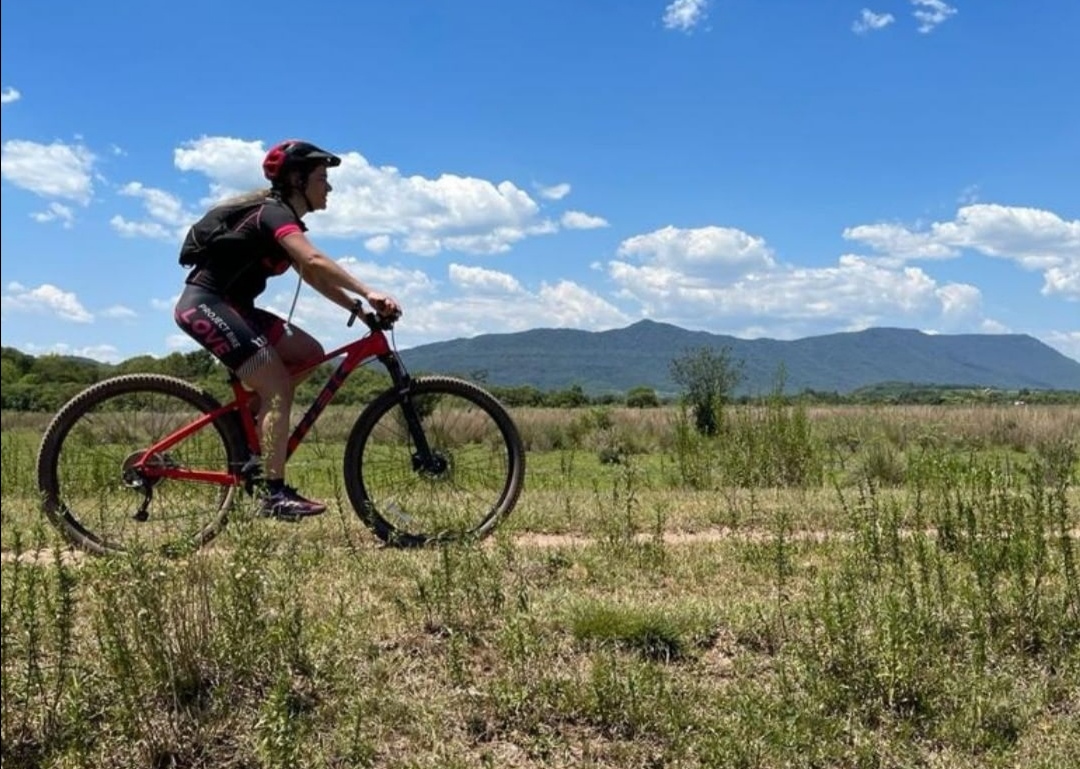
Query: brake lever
x=357, y=310
x=371, y=319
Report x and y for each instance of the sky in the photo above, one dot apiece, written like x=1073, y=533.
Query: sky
x=755, y=168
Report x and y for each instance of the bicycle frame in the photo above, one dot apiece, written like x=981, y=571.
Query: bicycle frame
x=371, y=346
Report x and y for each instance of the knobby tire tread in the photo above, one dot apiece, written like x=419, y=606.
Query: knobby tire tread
x=71, y=412
x=424, y=385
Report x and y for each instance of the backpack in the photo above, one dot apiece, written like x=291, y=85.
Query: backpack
x=216, y=231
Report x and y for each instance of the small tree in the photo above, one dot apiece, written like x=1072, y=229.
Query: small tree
x=642, y=398
x=708, y=376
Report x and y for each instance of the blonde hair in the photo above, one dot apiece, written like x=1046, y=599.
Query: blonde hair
x=253, y=196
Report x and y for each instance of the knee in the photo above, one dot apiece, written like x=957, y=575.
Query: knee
x=305, y=348
x=299, y=350
x=266, y=373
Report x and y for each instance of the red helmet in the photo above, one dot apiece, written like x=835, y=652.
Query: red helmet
x=295, y=155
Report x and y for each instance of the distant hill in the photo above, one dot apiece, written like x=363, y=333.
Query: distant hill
x=641, y=354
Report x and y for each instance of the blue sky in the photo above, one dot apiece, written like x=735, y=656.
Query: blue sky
x=765, y=168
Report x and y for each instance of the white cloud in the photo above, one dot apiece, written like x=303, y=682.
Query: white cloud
x=51, y=170
x=959, y=300
x=169, y=219
x=119, y=312
x=1032, y=236
x=478, y=279
x=684, y=15
x=1065, y=342
x=561, y=305
x=578, y=220
x=702, y=251
x=497, y=240
x=233, y=165
x=869, y=21
x=56, y=212
x=161, y=205
x=897, y=243
x=9, y=95
x=130, y=229
x=180, y=343
x=426, y=216
x=569, y=305
x=1064, y=281
x=419, y=215
x=470, y=301
x=164, y=305
x=46, y=299
x=554, y=192
x=930, y=13
x=991, y=326
x=379, y=244
x=1036, y=240
x=722, y=276
x=398, y=281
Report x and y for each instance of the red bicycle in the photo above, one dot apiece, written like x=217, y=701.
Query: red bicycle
x=149, y=460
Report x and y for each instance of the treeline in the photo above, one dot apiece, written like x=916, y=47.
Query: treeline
x=46, y=382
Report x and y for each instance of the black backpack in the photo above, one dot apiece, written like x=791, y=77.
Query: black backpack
x=216, y=231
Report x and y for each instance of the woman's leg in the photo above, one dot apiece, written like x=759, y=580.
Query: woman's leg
x=294, y=346
x=266, y=374
x=245, y=341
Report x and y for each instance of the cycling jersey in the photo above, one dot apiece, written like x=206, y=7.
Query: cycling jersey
x=239, y=271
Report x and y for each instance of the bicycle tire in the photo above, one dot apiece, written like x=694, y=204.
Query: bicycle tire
x=387, y=490
x=69, y=488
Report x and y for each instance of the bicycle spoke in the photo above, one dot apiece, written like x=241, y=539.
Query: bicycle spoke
x=96, y=488
x=471, y=478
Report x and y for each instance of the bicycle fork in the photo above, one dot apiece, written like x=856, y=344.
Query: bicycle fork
x=424, y=459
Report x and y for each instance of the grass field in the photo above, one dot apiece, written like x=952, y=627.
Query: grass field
x=841, y=587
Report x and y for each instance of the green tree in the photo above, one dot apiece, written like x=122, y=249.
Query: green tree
x=10, y=373
x=53, y=369
x=642, y=398
x=521, y=395
x=574, y=397
x=708, y=375
x=20, y=360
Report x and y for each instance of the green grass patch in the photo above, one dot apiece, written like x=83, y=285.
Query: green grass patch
x=625, y=614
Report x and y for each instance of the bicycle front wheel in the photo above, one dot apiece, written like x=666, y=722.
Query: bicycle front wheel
x=470, y=480
x=96, y=495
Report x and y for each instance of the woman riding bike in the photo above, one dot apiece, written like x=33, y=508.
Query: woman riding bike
x=217, y=306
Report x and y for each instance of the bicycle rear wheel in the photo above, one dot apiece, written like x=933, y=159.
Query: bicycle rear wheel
x=96, y=496
x=476, y=479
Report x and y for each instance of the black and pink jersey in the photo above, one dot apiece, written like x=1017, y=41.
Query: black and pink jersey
x=240, y=271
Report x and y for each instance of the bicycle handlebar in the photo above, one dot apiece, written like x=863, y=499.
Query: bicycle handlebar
x=372, y=320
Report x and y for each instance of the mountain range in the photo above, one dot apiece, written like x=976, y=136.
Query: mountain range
x=641, y=354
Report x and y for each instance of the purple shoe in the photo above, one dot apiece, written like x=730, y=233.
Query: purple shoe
x=288, y=505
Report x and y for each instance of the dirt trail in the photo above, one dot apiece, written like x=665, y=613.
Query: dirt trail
x=537, y=540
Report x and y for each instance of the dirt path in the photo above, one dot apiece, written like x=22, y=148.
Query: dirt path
x=536, y=540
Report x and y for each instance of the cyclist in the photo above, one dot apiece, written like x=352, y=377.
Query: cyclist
x=217, y=306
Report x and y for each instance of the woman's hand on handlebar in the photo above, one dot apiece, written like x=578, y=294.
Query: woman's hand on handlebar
x=382, y=318
x=384, y=305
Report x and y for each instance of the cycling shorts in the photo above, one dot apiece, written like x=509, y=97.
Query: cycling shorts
x=233, y=334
